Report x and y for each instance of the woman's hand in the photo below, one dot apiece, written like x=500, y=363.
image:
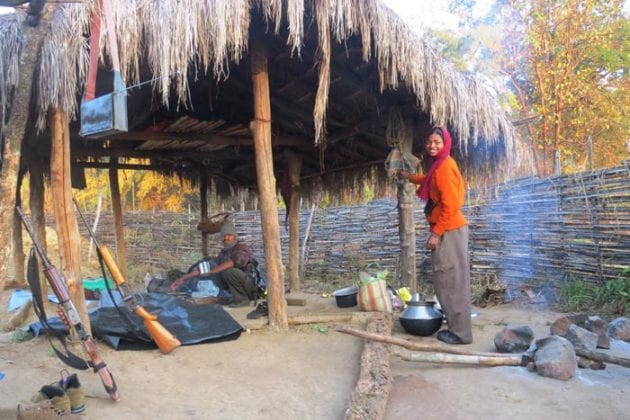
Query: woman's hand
x=433, y=242
x=404, y=174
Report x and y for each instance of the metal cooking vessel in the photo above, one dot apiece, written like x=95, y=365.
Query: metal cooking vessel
x=421, y=318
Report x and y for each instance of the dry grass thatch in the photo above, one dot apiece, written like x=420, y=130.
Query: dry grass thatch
x=180, y=40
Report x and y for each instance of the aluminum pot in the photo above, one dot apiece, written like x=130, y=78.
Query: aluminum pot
x=421, y=318
x=346, y=297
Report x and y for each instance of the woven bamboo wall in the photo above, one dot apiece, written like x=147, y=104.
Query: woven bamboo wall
x=528, y=231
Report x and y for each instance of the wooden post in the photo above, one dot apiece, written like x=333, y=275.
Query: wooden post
x=18, y=243
x=261, y=130
x=406, y=225
x=32, y=38
x=121, y=248
x=295, y=166
x=68, y=236
x=38, y=217
x=203, y=194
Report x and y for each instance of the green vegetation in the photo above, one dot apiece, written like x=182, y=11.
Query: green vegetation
x=613, y=298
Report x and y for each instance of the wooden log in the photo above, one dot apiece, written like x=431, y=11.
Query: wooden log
x=411, y=345
x=261, y=130
x=319, y=318
x=603, y=357
x=121, y=247
x=430, y=357
x=369, y=398
x=68, y=236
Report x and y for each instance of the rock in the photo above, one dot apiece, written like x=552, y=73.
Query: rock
x=619, y=329
x=555, y=358
x=514, y=339
x=598, y=326
x=581, y=338
x=560, y=326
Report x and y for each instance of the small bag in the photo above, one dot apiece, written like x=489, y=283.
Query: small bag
x=373, y=295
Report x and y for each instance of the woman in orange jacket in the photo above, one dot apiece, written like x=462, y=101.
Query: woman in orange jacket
x=443, y=190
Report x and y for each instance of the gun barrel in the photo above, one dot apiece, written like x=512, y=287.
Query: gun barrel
x=29, y=230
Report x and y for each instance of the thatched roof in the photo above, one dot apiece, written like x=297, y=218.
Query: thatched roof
x=340, y=72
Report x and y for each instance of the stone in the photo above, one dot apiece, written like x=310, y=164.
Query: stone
x=598, y=326
x=619, y=329
x=514, y=339
x=555, y=358
x=581, y=338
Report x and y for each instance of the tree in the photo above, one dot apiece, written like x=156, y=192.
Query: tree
x=566, y=62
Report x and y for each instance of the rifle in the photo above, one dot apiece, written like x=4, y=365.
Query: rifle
x=70, y=314
x=166, y=341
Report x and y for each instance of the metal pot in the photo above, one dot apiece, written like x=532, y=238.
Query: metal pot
x=421, y=318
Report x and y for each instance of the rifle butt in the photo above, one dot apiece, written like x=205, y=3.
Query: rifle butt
x=111, y=265
x=165, y=341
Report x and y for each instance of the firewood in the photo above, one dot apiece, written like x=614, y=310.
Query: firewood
x=430, y=357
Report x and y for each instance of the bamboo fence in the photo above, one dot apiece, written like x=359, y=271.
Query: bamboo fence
x=526, y=232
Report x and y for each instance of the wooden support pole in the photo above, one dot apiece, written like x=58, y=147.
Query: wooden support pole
x=203, y=197
x=406, y=225
x=121, y=247
x=38, y=217
x=261, y=130
x=68, y=236
x=18, y=243
x=295, y=166
x=15, y=129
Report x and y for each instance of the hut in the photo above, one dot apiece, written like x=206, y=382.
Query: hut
x=236, y=95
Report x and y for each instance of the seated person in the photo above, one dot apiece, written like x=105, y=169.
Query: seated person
x=232, y=269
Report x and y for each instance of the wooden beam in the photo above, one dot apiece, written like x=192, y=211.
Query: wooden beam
x=213, y=139
x=261, y=129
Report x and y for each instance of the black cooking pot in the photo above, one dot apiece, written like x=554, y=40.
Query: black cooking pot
x=346, y=297
x=421, y=318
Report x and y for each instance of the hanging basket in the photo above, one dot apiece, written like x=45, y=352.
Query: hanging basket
x=213, y=223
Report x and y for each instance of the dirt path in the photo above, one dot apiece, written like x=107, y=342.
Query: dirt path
x=310, y=372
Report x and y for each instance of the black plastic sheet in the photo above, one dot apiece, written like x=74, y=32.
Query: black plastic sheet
x=190, y=323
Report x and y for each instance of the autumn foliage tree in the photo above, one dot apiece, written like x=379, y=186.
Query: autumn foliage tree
x=566, y=64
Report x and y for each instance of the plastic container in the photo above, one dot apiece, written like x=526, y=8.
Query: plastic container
x=346, y=297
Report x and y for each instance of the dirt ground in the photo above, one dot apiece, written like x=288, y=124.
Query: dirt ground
x=310, y=372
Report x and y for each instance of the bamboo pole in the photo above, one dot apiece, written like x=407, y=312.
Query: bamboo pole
x=261, y=131
x=295, y=166
x=121, y=247
x=68, y=236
